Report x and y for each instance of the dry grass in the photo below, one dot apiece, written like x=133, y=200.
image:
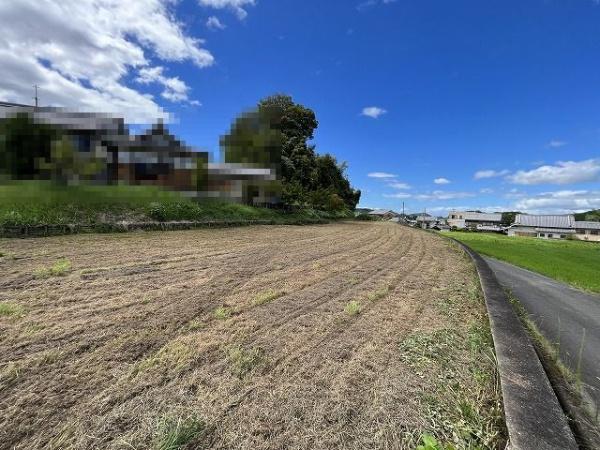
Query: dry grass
x=239, y=339
x=267, y=296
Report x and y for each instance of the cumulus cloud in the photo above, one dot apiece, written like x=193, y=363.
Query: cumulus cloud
x=441, y=180
x=560, y=201
x=555, y=143
x=175, y=89
x=481, y=174
x=213, y=23
x=399, y=185
x=373, y=111
x=237, y=6
x=563, y=172
x=80, y=51
x=381, y=175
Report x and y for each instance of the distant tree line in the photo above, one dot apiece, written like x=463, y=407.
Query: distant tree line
x=277, y=134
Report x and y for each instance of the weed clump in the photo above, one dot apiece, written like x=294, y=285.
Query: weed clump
x=175, y=434
x=222, y=313
x=243, y=360
x=267, y=296
x=353, y=308
x=8, y=309
x=58, y=269
x=378, y=294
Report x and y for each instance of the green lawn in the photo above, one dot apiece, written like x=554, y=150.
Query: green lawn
x=573, y=262
x=42, y=203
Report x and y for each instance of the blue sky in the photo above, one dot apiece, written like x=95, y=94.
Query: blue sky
x=490, y=105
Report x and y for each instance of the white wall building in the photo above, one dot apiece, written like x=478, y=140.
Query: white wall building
x=475, y=220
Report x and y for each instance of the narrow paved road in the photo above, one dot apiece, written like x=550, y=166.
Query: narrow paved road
x=564, y=315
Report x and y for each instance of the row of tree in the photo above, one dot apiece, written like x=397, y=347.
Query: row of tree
x=277, y=134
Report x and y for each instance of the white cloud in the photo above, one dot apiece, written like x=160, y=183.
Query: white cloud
x=373, y=111
x=175, y=89
x=555, y=143
x=369, y=3
x=398, y=195
x=443, y=210
x=481, y=174
x=399, y=185
x=435, y=195
x=381, y=175
x=80, y=51
x=558, y=202
x=441, y=180
x=444, y=195
x=213, y=23
x=563, y=172
x=486, y=191
x=236, y=6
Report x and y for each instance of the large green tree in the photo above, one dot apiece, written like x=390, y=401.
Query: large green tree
x=303, y=171
x=277, y=134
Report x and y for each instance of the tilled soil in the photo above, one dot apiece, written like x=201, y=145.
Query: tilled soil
x=131, y=336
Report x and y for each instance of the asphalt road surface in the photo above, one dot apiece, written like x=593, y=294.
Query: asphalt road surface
x=564, y=315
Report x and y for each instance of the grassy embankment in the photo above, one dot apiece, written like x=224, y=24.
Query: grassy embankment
x=34, y=203
x=573, y=262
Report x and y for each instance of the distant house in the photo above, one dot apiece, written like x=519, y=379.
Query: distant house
x=425, y=220
x=385, y=214
x=475, y=220
x=543, y=226
x=587, y=231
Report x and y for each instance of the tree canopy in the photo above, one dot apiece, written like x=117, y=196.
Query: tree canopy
x=278, y=133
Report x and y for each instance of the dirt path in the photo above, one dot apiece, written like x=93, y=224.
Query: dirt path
x=249, y=332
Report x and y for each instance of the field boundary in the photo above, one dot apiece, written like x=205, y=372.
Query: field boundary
x=25, y=231
x=533, y=413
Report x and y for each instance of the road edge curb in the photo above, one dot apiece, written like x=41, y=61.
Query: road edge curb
x=534, y=417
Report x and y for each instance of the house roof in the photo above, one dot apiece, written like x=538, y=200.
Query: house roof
x=426, y=218
x=587, y=225
x=487, y=217
x=381, y=212
x=548, y=221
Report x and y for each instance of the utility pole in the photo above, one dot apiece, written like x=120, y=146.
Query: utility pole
x=402, y=209
x=36, y=95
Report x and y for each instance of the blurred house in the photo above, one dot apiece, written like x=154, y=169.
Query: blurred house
x=241, y=183
x=155, y=157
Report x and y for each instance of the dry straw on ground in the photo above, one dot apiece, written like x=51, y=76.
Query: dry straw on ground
x=126, y=349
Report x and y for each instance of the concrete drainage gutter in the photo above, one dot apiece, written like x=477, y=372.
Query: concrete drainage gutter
x=534, y=417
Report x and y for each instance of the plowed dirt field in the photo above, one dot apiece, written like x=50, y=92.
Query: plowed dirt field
x=344, y=336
